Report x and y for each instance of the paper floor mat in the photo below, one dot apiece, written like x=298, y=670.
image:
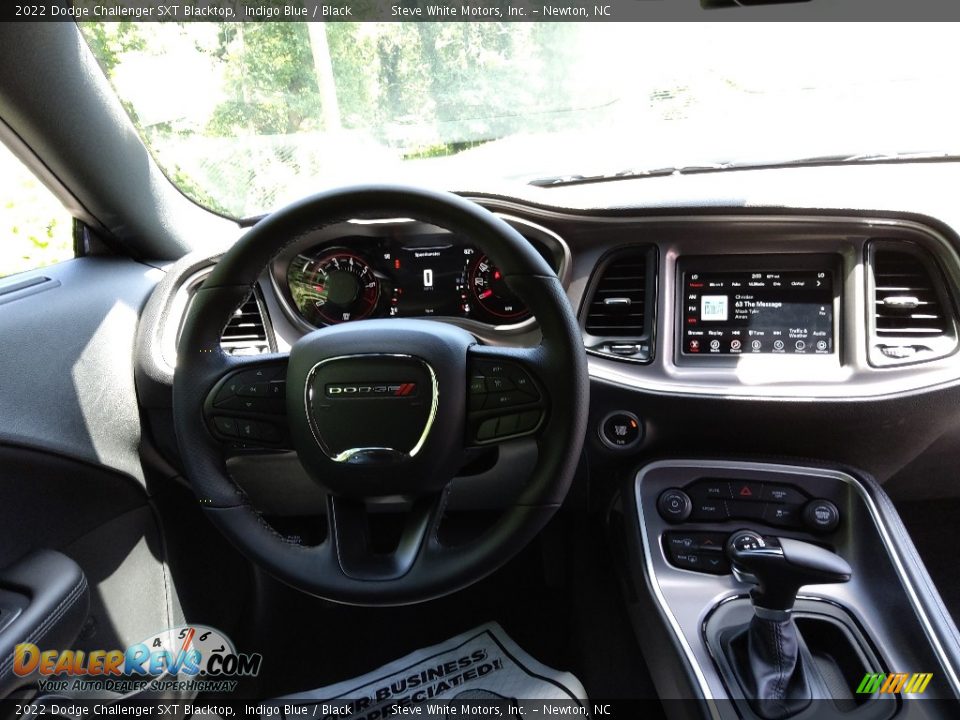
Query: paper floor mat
x=481, y=672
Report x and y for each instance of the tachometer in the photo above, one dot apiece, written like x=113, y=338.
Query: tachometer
x=333, y=287
x=491, y=293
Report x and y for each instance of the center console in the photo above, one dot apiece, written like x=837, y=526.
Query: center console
x=783, y=590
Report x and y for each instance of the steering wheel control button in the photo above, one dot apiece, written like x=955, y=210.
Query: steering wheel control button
x=495, y=387
x=510, y=398
x=674, y=505
x=247, y=430
x=487, y=429
x=498, y=384
x=507, y=425
x=241, y=399
x=529, y=420
x=491, y=369
x=225, y=426
x=621, y=431
x=821, y=516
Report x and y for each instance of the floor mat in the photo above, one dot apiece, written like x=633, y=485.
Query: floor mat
x=481, y=667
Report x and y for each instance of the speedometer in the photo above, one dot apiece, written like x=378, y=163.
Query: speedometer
x=491, y=293
x=333, y=287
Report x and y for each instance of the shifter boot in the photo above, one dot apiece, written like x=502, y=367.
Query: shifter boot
x=767, y=659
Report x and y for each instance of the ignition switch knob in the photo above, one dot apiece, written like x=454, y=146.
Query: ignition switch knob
x=674, y=505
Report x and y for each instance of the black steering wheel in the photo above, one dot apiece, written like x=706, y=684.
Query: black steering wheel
x=387, y=408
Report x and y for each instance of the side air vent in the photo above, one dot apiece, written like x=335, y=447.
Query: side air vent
x=620, y=301
x=246, y=333
x=913, y=318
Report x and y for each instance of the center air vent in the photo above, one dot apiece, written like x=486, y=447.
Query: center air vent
x=913, y=319
x=619, y=305
x=246, y=333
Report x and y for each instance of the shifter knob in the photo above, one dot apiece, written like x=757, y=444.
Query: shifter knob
x=781, y=566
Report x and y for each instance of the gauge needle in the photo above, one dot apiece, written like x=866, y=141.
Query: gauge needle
x=485, y=294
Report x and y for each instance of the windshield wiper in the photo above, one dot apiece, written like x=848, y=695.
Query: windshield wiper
x=812, y=161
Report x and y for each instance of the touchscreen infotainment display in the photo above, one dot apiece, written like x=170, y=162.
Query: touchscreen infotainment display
x=786, y=312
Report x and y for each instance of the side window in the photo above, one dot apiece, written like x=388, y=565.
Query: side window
x=35, y=228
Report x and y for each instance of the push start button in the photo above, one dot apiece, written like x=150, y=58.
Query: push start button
x=621, y=430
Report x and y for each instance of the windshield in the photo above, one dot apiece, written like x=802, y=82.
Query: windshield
x=246, y=117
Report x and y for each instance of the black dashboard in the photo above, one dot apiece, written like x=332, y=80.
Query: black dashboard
x=870, y=294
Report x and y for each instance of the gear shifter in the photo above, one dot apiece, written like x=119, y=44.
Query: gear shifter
x=770, y=666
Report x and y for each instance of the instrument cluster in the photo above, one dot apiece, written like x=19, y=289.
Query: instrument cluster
x=354, y=278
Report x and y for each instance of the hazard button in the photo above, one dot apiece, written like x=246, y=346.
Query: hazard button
x=743, y=490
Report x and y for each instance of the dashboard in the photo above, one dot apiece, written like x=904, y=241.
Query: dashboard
x=729, y=305
x=864, y=304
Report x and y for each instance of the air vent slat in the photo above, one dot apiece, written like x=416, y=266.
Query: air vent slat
x=624, y=276
x=246, y=333
x=900, y=276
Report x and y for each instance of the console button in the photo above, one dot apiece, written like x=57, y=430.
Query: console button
x=710, y=490
x=689, y=560
x=682, y=542
x=745, y=510
x=782, y=515
x=783, y=494
x=621, y=430
x=821, y=516
x=715, y=564
x=674, y=505
x=709, y=510
x=711, y=541
x=744, y=490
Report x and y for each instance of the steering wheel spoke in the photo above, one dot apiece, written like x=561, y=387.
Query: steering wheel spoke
x=352, y=538
x=246, y=408
x=506, y=397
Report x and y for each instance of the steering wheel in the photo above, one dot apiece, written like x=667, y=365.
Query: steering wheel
x=383, y=408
